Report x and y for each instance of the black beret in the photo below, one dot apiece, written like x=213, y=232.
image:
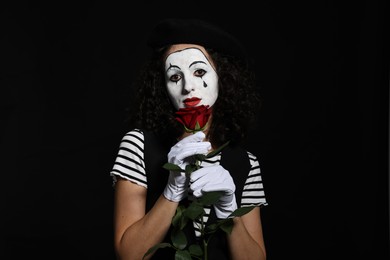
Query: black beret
x=194, y=31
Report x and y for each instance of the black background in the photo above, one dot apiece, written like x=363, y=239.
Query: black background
x=322, y=137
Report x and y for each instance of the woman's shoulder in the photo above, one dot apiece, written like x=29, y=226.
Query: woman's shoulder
x=146, y=138
x=133, y=137
x=240, y=150
x=252, y=156
x=242, y=154
x=134, y=133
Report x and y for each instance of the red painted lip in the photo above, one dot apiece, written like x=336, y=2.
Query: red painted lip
x=191, y=102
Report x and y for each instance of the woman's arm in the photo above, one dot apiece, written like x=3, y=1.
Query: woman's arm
x=134, y=231
x=246, y=240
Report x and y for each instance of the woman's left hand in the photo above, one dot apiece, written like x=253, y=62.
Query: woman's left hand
x=215, y=178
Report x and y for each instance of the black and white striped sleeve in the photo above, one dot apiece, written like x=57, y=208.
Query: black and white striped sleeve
x=129, y=163
x=253, y=192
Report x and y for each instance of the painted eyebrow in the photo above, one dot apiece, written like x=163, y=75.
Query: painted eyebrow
x=173, y=66
x=196, y=62
x=177, y=67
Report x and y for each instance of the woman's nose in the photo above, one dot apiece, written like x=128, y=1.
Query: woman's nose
x=188, y=86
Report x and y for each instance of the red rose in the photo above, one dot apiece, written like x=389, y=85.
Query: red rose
x=193, y=118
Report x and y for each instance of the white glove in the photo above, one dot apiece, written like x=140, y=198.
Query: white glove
x=215, y=178
x=181, y=154
x=187, y=147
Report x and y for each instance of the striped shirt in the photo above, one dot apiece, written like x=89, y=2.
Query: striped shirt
x=130, y=165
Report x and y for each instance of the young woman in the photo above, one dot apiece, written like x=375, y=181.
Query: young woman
x=196, y=94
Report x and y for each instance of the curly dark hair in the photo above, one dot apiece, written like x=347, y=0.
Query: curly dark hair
x=233, y=112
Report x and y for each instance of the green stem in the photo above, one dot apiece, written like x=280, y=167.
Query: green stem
x=205, y=249
x=202, y=234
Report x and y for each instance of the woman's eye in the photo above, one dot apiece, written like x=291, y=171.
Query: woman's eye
x=175, y=78
x=199, y=72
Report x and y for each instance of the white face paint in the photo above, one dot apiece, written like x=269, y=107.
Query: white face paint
x=190, y=78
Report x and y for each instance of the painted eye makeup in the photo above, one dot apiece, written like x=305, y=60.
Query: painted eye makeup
x=199, y=73
x=175, y=78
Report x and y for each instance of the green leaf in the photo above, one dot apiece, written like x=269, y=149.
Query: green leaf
x=224, y=224
x=241, y=211
x=200, y=157
x=212, y=228
x=182, y=255
x=190, y=168
x=172, y=167
x=188, y=130
x=194, y=211
x=197, y=126
x=195, y=250
x=216, y=151
x=176, y=220
x=227, y=225
x=183, y=221
x=178, y=238
x=204, y=127
x=210, y=198
x=154, y=248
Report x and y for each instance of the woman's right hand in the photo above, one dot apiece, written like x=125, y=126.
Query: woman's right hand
x=180, y=154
